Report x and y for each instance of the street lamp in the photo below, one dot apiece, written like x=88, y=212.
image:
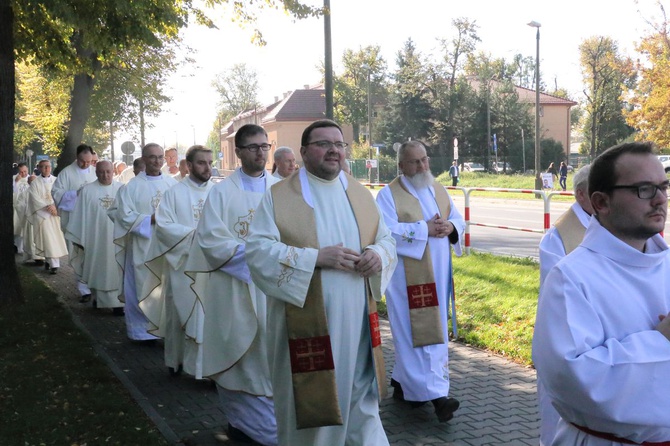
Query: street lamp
x=367, y=67
x=193, y=127
x=538, y=179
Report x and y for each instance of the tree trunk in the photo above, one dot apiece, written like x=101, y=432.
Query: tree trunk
x=11, y=286
x=79, y=104
x=142, y=123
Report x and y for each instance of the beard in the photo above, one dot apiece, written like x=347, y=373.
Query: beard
x=421, y=180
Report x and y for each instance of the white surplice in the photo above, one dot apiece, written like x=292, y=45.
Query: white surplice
x=552, y=251
x=19, y=195
x=420, y=371
x=135, y=203
x=167, y=299
x=65, y=189
x=345, y=302
x=49, y=240
x=234, y=335
x=595, y=348
x=91, y=228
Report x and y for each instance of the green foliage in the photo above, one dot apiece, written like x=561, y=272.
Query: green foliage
x=41, y=108
x=606, y=74
x=56, y=390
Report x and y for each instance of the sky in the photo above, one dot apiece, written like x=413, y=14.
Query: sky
x=295, y=48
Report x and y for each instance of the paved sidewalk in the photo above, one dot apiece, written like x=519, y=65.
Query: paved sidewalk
x=498, y=400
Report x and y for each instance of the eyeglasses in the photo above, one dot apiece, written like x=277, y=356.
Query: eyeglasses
x=646, y=191
x=327, y=144
x=418, y=162
x=254, y=148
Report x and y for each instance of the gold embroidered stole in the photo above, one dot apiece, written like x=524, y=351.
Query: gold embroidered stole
x=312, y=367
x=571, y=230
x=424, y=312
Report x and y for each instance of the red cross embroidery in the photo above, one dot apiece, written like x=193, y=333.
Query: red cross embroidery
x=311, y=354
x=422, y=296
x=375, y=334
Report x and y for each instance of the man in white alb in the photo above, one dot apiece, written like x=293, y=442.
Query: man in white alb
x=19, y=189
x=425, y=225
x=134, y=217
x=92, y=232
x=167, y=299
x=323, y=255
x=171, y=166
x=566, y=234
x=70, y=180
x=235, y=340
x=284, y=162
x=602, y=334
x=42, y=214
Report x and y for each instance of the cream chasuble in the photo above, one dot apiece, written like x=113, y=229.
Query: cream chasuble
x=49, y=240
x=167, y=299
x=286, y=273
x=91, y=229
x=233, y=331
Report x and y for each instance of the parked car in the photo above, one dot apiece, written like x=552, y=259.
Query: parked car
x=665, y=160
x=473, y=167
x=216, y=175
x=501, y=167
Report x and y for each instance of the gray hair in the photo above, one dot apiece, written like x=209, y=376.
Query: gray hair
x=581, y=179
x=406, y=145
x=280, y=151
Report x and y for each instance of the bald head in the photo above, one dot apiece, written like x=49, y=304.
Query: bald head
x=104, y=170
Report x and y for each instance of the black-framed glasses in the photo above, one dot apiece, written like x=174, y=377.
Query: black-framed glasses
x=645, y=191
x=328, y=144
x=254, y=148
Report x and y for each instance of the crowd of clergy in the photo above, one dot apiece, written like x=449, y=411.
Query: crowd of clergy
x=267, y=284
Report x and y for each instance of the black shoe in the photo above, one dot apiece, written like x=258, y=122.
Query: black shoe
x=175, y=372
x=399, y=395
x=54, y=270
x=236, y=434
x=37, y=262
x=85, y=298
x=118, y=311
x=445, y=408
x=46, y=266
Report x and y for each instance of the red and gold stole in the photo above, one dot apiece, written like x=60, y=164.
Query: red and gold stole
x=312, y=367
x=424, y=312
x=570, y=229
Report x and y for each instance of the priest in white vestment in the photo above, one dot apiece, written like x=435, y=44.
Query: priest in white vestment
x=19, y=189
x=133, y=216
x=234, y=341
x=30, y=256
x=326, y=362
x=171, y=166
x=284, y=162
x=167, y=299
x=92, y=234
x=70, y=180
x=566, y=234
x=425, y=225
x=43, y=216
x=599, y=348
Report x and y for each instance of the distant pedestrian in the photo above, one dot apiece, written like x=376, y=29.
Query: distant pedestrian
x=453, y=173
x=563, y=173
x=552, y=170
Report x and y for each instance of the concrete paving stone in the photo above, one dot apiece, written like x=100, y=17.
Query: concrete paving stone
x=497, y=396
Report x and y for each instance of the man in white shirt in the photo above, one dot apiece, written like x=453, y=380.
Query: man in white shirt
x=602, y=335
x=19, y=188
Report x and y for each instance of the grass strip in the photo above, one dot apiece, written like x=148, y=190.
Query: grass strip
x=54, y=388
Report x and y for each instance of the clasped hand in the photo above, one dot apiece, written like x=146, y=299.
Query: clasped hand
x=345, y=259
x=439, y=227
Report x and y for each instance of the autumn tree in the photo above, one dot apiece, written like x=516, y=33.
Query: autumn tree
x=650, y=101
x=606, y=74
